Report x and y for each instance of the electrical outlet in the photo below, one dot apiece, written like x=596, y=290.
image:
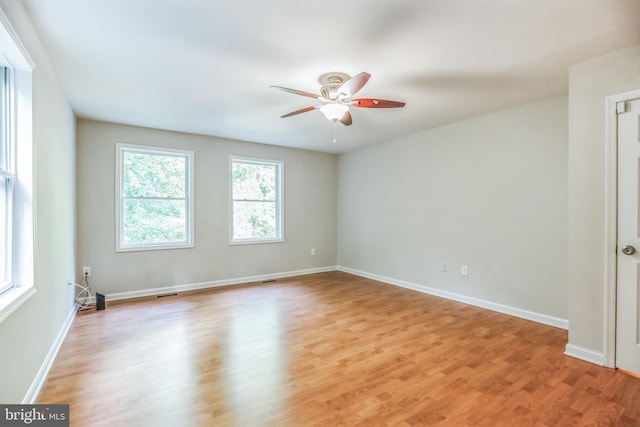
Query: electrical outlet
x=443, y=267
x=86, y=271
x=313, y=251
x=463, y=270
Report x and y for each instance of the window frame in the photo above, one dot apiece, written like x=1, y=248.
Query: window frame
x=8, y=176
x=6, y=282
x=279, y=202
x=18, y=169
x=121, y=148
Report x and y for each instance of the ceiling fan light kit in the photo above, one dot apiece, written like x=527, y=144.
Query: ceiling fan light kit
x=336, y=94
x=334, y=111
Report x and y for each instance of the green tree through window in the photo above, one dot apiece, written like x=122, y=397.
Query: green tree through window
x=256, y=198
x=155, y=202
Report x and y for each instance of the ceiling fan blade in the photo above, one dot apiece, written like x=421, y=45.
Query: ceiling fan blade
x=346, y=119
x=302, y=110
x=298, y=92
x=354, y=84
x=375, y=103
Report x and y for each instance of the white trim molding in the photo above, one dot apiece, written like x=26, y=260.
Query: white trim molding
x=14, y=299
x=213, y=284
x=500, y=308
x=611, y=227
x=43, y=372
x=585, y=354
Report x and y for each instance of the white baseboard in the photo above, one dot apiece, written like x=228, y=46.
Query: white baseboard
x=505, y=309
x=585, y=354
x=41, y=376
x=213, y=284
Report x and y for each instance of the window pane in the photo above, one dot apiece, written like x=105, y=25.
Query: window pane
x=154, y=221
x=254, y=220
x=154, y=175
x=254, y=181
x=4, y=234
x=4, y=129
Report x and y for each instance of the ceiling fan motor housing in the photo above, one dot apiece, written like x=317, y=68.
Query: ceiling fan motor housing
x=331, y=82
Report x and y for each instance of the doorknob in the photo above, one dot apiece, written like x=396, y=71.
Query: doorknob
x=628, y=250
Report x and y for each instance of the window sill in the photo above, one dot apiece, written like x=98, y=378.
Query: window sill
x=154, y=247
x=14, y=299
x=254, y=241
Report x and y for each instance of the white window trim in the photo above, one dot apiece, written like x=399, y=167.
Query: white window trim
x=279, y=201
x=14, y=298
x=120, y=147
x=8, y=264
x=14, y=56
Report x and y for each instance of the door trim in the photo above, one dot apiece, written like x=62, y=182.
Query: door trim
x=611, y=224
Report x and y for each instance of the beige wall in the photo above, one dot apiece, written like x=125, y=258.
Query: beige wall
x=27, y=335
x=489, y=192
x=309, y=213
x=590, y=82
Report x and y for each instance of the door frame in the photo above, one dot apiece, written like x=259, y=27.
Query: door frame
x=611, y=224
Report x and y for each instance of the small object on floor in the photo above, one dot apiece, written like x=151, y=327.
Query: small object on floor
x=100, y=301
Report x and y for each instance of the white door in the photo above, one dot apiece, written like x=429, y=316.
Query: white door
x=628, y=297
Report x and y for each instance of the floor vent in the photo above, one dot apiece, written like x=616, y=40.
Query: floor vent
x=166, y=295
x=269, y=281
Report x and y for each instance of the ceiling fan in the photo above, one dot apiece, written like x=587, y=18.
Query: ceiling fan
x=336, y=96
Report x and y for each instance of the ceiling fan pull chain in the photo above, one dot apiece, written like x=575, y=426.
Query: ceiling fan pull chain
x=334, y=130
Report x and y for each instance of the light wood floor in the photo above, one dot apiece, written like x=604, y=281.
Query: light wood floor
x=328, y=349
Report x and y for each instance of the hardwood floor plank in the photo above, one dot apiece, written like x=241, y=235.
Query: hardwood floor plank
x=328, y=349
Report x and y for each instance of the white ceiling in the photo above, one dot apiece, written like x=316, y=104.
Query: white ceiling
x=205, y=66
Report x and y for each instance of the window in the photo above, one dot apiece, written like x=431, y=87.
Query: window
x=16, y=172
x=155, y=198
x=6, y=195
x=7, y=180
x=256, y=199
